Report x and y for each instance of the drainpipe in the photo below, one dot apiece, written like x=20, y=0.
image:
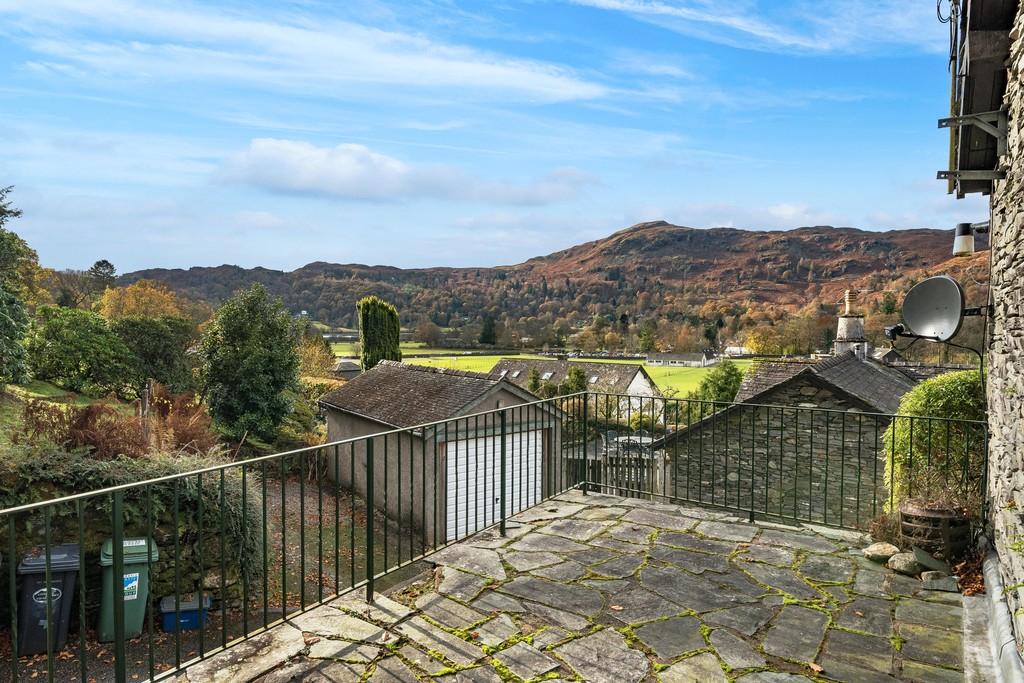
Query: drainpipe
x=1008, y=665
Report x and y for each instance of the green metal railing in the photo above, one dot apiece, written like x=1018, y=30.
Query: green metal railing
x=272, y=537
x=826, y=466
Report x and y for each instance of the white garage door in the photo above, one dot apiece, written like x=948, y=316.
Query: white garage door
x=474, y=489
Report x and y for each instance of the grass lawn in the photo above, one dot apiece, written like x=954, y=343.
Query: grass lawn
x=348, y=349
x=680, y=380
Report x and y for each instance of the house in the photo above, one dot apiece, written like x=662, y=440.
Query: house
x=735, y=351
x=346, y=369
x=447, y=467
x=796, y=421
x=888, y=356
x=688, y=360
x=611, y=378
x=619, y=391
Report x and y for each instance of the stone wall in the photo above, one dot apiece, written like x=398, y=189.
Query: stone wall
x=1006, y=349
x=820, y=459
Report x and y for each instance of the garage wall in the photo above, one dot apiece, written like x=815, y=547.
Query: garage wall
x=410, y=474
x=405, y=479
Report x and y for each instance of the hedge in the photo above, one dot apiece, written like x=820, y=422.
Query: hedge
x=33, y=474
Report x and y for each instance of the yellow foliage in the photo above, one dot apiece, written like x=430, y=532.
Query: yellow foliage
x=142, y=298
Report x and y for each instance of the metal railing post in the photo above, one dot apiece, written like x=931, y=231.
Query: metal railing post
x=504, y=465
x=117, y=579
x=369, y=520
x=586, y=446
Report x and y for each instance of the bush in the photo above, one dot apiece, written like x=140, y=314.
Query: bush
x=936, y=460
x=177, y=422
x=31, y=474
x=97, y=428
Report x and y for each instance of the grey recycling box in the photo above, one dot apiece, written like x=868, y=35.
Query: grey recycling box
x=34, y=628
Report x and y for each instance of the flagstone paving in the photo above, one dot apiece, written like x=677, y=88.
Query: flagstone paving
x=610, y=590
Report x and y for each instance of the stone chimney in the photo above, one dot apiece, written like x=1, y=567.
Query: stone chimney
x=850, y=332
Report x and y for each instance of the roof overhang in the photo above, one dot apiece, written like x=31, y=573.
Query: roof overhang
x=980, y=47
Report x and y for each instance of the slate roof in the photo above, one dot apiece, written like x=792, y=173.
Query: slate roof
x=877, y=385
x=767, y=375
x=611, y=377
x=404, y=395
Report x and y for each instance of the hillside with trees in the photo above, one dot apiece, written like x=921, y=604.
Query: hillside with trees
x=651, y=286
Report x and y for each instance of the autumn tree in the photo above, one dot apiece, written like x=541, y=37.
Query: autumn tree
x=250, y=363
x=428, y=333
x=143, y=298
x=20, y=272
x=316, y=359
x=379, y=331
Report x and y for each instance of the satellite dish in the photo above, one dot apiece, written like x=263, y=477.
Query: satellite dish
x=934, y=308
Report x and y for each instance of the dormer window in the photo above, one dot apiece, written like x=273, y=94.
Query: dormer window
x=515, y=374
x=546, y=376
x=593, y=380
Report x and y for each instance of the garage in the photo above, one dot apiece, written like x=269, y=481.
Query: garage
x=473, y=499
x=441, y=475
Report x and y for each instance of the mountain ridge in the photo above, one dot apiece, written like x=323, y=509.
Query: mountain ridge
x=650, y=268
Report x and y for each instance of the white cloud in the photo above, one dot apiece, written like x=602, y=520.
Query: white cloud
x=812, y=26
x=167, y=43
x=351, y=171
x=780, y=216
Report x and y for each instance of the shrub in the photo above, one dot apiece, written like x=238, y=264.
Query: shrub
x=97, y=428
x=937, y=460
x=177, y=422
x=31, y=474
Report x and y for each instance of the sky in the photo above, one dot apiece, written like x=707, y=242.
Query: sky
x=457, y=133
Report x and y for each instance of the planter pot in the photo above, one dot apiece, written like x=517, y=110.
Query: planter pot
x=938, y=530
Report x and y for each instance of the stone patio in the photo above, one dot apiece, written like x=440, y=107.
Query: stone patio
x=612, y=590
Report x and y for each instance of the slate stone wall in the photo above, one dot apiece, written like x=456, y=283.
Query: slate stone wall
x=803, y=461
x=1006, y=349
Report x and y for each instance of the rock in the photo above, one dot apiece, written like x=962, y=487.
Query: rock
x=880, y=552
x=604, y=657
x=941, y=583
x=926, y=560
x=904, y=563
x=933, y=575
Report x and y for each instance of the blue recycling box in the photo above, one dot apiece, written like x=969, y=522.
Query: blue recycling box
x=190, y=617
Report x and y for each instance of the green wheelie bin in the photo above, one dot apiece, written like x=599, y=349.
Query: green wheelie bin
x=134, y=583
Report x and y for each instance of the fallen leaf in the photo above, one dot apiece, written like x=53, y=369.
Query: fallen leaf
x=617, y=608
x=816, y=668
x=859, y=614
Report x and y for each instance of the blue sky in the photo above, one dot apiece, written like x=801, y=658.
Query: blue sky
x=439, y=132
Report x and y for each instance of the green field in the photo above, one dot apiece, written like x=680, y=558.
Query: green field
x=348, y=349
x=680, y=380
